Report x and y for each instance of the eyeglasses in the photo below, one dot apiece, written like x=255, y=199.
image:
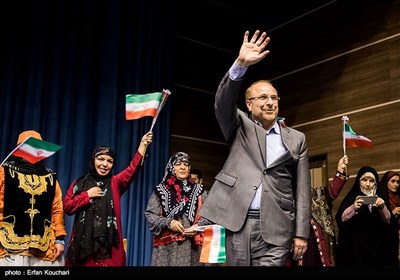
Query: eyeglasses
x=263, y=98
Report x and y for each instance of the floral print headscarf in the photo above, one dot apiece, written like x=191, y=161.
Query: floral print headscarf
x=178, y=197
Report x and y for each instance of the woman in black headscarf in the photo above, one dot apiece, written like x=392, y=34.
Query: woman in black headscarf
x=172, y=215
x=362, y=226
x=95, y=199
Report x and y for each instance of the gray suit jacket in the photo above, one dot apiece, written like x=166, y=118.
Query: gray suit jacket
x=286, y=195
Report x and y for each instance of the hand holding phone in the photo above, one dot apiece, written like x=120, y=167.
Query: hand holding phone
x=368, y=199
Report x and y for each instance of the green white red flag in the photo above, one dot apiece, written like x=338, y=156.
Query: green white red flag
x=352, y=139
x=34, y=150
x=141, y=105
x=213, y=249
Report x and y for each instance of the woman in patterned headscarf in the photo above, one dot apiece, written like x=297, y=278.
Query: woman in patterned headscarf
x=95, y=200
x=172, y=215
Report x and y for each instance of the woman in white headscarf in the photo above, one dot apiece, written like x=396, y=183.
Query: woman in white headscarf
x=362, y=226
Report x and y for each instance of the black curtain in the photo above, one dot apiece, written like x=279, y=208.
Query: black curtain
x=66, y=67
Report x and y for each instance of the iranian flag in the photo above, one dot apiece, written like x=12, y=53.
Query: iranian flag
x=141, y=105
x=354, y=140
x=213, y=249
x=34, y=150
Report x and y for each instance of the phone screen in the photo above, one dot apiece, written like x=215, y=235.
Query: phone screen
x=369, y=199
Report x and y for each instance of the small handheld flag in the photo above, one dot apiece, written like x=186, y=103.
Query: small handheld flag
x=281, y=120
x=351, y=139
x=34, y=150
x=213, y=249
x=141, y=105
x=150, y=104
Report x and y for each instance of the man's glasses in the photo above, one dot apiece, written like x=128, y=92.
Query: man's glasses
x=263, y=98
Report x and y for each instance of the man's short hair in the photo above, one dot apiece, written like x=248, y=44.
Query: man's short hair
x=196, y=171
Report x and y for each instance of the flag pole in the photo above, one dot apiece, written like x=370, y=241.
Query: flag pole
x=165, y=94
x=16, y=148
x=344, y=119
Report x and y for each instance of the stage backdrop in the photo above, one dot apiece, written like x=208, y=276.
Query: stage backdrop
x=66, y=67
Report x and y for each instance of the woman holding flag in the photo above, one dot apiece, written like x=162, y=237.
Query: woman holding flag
x=95, y=200
x=172, y=215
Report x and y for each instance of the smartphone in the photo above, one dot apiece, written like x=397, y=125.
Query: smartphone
x=368, y=199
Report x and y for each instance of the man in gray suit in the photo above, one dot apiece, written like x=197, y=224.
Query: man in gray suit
x=262, y=195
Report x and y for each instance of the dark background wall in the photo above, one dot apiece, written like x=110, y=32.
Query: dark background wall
x=65, y=69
